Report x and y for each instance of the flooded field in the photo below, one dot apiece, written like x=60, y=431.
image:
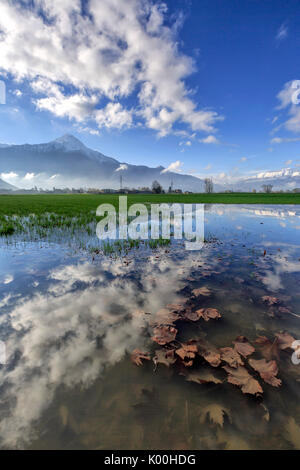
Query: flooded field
x=131, y=352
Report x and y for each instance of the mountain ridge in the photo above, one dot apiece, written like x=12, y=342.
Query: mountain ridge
x=66, y=161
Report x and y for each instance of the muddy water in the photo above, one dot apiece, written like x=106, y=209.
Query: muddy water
x=70, y=323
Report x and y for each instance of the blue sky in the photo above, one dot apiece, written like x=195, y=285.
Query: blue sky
x=204, y=86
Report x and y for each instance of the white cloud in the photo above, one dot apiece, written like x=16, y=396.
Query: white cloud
x=289, y=98
x=9, y=176
x=289, y=162
x=282, y=32
x=8, y=279
x=76, y=62
x=243, y=159
x=29, y=176
x=210, y=139
x=122, y=167
x=175, y=167
x=281, y=140
x=17, y=93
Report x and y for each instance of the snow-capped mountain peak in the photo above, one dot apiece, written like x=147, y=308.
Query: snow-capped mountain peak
x=278, y=174
x=70, y=143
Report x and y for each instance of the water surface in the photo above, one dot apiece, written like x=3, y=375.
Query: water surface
x=71, y=320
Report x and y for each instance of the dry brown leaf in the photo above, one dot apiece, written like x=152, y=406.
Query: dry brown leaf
x=164, y=334
x=243, y=347
x=164, y=317
x=209, y=353
x=176, y=308
x=215, y=414
x=267, y=370
x=241, y=377
x=285, y=340
x=138, y=356
x=164, y=356
x=208, y=313
x=231, y=357
x=204, y=291
x=202, y=377
x=187, y=352
x=191, y=315
x=268, y=349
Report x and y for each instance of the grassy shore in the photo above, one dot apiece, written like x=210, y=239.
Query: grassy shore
x=74, y=205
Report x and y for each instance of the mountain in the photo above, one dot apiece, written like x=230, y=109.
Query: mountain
x=286, y=178
x=6, y=186
x=68, y=162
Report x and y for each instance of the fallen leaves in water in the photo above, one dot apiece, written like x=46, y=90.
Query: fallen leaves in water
x=164, y=317
x=201, y=291
x=138, y=356
x=209, y=353
x=164, y=356
x=202, y=377
x=268, y=349
x=164, y=334
x=215, y=414
x=285, y=340
x=243, y=347
x=187, y=352
x=240, y=376
x=231, y=357
x=267, y=370
x=208, y=313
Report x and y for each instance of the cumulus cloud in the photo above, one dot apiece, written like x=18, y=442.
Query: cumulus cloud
x=29, y=176
x=175, y=167
x=86, y=66
x=11, y=176
x=289, y=98
x=210, y=139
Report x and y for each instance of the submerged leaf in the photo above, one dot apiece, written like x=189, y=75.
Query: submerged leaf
x=215, y=413
x=164, y=356
x=164, y=317
x=138, y=356
x=268, y=348
x=241, y=377
x=231, y=356
x=208, y=313
x=285, y=340
x=187, y=353
x=204, y=291
x=202, y=377
x=164, y=334
x=243, y=347
x=267, y=371
x=209, y=353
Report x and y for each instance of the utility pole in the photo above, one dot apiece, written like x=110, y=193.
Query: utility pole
x=121, y=183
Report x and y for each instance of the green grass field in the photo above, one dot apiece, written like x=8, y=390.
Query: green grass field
x=72, y=205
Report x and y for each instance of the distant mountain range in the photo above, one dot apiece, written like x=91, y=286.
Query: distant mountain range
x=286, y=178
x=68, y=162
x=6, y=186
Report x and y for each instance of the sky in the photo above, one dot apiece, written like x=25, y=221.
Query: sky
x=204, y=87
